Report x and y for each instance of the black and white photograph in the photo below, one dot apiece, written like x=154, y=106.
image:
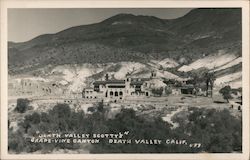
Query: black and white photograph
x=125, y=80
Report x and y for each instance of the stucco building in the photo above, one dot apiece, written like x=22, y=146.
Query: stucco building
x=118, y=89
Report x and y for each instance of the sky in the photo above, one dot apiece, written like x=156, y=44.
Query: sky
x=26, y=24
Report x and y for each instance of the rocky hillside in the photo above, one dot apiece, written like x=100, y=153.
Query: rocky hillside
x=125, y=37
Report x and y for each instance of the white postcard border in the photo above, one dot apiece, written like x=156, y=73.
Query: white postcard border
x=5, y=4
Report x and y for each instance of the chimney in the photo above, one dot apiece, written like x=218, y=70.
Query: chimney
x=106, y=77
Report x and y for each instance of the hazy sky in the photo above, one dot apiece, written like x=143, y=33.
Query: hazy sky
x=25, y=24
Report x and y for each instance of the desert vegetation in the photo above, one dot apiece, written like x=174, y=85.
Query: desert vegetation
x=216, y=130
x=22, y=105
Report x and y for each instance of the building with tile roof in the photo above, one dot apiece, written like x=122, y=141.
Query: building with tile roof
x=118, y=89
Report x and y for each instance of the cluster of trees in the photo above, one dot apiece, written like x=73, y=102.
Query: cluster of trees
x=217, y=131
x=172, y=82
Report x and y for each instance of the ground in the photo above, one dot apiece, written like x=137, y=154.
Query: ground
x=166, y=107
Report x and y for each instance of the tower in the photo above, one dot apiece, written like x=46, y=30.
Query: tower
x=127, y=86
x=153, y=74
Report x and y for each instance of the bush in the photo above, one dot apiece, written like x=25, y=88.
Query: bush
x=157, y=91
x=61, y=111
x=16, y=141
x=217, y=131
x=91, y=109
x=22, y=105
x=226, y=92
x=168, y=91
x=33, y=118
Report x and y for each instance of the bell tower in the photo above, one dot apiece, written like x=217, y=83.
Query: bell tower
x=153, y=74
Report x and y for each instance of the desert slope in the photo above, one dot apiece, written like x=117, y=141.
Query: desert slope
x=126, y=37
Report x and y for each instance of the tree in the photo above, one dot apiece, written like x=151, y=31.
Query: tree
x=168, y=90
x=198, y=75
x=100, y=107
x=210, y=78
x=33, y=118
x=216, y=130
x=157, y=91
x=226, y=92
x=202, y=75
x=22, y=105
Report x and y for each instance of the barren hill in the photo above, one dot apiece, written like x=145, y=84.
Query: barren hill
x=126, y=37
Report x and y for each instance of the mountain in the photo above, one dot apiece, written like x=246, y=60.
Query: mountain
x=126, y=37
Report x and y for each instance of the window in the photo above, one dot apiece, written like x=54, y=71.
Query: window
x=116, y=93
x=120, y=93
x=111, y=93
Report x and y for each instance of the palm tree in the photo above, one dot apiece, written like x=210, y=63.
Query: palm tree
x=210, y=78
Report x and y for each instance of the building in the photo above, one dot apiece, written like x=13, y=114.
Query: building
x=176, y=91
x=113, y=89
x=118, y=89
x=236, y=104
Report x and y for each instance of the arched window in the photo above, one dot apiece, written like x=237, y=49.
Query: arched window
x=116, y=93
x=111, y=93
x=120, y=93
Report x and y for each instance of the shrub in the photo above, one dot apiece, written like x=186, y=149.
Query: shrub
x=168, y=91
x=22, y=105
x=91, y=109
x=218, y=131
x=61, y=111
x=157, y=91
x=226, y=92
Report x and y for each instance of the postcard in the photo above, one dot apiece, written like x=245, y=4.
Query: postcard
x=127, y=80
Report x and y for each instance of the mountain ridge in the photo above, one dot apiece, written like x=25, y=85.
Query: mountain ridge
x=126, y=37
